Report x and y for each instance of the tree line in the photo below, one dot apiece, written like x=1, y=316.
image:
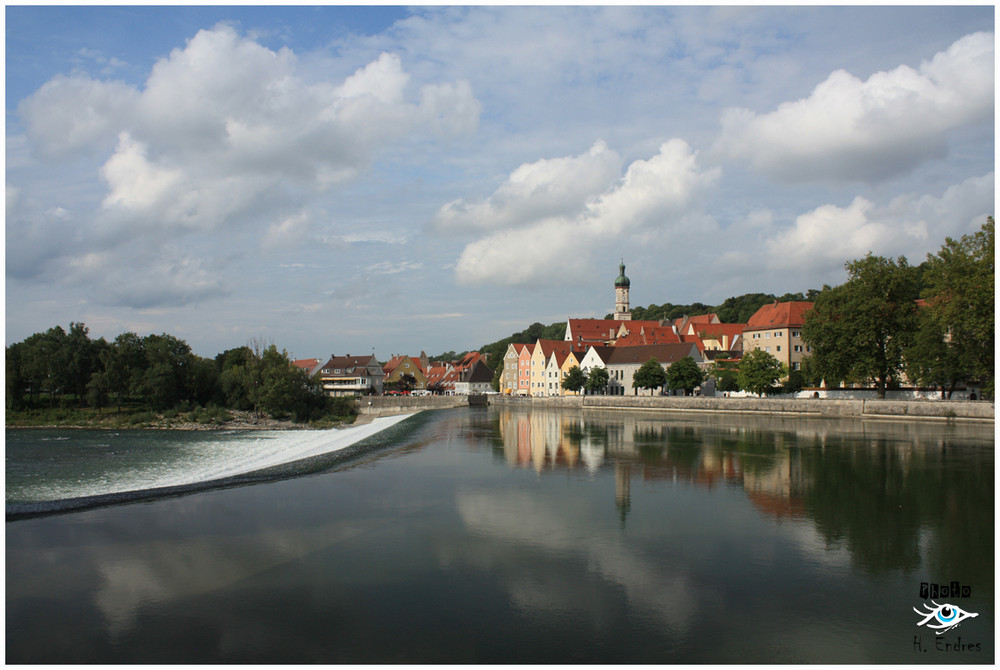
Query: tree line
x=159, y=372
x=933, y=322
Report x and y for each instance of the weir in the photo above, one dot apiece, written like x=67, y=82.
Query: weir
x=122, y=471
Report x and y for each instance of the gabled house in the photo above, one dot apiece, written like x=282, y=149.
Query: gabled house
x=777, y=329
x=510, y=376
x=624, y=362
x=473, y=374
x=441, y=378
x=573, y=358
x=540, y=354
x=524, y=370
x=351, y=375
x=401, y=365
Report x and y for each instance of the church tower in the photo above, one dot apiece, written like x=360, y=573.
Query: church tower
x=622, y=312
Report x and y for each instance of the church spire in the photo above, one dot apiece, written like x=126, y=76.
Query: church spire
x=622, y=283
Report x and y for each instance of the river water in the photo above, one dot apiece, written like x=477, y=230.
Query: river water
x=505, y=536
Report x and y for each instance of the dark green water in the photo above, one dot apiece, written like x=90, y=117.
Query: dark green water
x=508, y=536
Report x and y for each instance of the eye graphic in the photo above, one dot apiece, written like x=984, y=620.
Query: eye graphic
x=943, y=617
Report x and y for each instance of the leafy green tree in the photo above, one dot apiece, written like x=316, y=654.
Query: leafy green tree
x=97, y=391
x=16, y=380
x=758, y=371
x=685, y=374
x=163, y=382
x=960, y=301
x=931, y=360
x=863, y=326
x=597, y=380
x=650, y=375
x=795, y=382
x=574, y=379
x=124, y=361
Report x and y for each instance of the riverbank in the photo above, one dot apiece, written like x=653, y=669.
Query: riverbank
x=818, y=407
x=221, y=420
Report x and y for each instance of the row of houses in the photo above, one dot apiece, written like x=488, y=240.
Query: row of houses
x=622, y=346
x=363, y=375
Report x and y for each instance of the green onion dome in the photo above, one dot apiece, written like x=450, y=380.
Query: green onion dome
x=622, y=281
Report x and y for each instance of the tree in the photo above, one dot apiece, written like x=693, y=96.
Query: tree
x=574, y=379
x=931, y=360
x=685, y=374
x=758, y=371
x=649, y=376
x=960, y=301
x=597, y=380
x=124, y=362
x=863, y=326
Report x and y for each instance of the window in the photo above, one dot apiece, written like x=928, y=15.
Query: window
x=796, y=366
x=798, y=348
x=767, y=349
x=779, y=347
x=795, y=333
x=777, y=334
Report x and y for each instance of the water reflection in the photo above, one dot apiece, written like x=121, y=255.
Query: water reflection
x=892, y=494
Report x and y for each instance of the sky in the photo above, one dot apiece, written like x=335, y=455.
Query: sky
x=343, y=180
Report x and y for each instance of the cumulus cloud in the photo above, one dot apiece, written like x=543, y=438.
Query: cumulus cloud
x=910, y=225
x=536, y=191
x=653, y=195
x=225, y=134
x=849, y=129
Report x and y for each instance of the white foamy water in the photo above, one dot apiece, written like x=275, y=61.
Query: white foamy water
x=203, y=461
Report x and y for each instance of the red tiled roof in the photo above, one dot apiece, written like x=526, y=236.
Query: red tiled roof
x=649, y=335
x=348, y=363
x=695, y=340
x=716, y=330
x=779, y=315
x=664, y=353
x=592, y=330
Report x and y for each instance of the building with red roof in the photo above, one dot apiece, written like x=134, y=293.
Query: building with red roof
x=777, y=329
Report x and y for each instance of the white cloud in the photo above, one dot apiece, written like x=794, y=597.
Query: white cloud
x=849, y=129
x=653, y=196
x=910, y=225
x=224, y=134
x=76, y=114
x=539, y=190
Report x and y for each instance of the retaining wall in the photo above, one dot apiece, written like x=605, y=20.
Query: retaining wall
x=386, y=405
x=898, y=409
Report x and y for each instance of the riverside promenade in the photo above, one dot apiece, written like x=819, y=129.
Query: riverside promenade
x=930, y=410
x=816, y=407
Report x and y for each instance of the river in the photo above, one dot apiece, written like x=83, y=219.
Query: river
x=508, y=535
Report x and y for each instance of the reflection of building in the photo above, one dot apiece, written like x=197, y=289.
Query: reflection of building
x=703, y=456
x=623, y=486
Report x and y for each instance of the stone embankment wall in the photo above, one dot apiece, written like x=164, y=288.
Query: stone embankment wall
x=389, y=405
x=818, y=407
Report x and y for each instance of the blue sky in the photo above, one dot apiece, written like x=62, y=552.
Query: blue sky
x=338, y=179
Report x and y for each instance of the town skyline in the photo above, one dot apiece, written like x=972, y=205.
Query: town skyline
x=338, y=179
